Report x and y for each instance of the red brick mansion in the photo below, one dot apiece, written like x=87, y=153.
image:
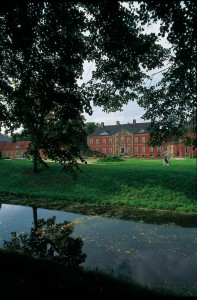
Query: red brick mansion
x=131, y=140
x=113, y=140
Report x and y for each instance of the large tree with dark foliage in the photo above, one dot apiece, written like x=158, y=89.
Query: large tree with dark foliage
x=172, y=103
x=43, y=47
x=42, y=54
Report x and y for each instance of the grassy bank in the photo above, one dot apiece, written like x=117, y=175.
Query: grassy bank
x=23, y=277
x=138, y=184
x=136, y=189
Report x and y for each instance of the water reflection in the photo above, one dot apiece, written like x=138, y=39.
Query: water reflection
x=151, y=254
x=49, y=240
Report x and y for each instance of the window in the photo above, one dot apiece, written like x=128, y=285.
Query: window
x=110, y=151
x=104, y=141
x=122, y=139
x=110, y=141
x=136, y=150
x=143, y=140
x=135, y=140
x=97, y=141
x=91, y=141
x=104, y=151
x=128, y=140
x=151, y=150
x=129, y=150
x=143, y=150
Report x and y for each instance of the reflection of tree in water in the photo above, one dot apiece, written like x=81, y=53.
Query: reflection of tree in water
x=50, y=241
x=35, y=215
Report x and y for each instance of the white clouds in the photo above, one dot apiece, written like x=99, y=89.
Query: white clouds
x=130, y=111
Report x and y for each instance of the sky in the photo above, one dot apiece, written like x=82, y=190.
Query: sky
x=128, y=113
x=132, y=110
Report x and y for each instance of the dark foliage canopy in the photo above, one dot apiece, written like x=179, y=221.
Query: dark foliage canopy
x=43, y=47
x=172, y=103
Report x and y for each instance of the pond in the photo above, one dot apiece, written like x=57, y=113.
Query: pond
x=151, y=254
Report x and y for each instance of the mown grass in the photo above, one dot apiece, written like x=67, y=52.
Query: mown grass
x=133, y=183
x=137, y=189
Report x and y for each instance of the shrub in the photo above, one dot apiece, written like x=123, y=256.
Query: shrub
x=111, y=159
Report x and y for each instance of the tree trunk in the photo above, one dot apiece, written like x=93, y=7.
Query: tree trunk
x=35, y=216
x=35, y=160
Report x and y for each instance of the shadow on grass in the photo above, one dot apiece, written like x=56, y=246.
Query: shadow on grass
x=24, y=277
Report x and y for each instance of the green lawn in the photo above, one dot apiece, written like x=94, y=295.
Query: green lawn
x=132, y=183
x=137, y=189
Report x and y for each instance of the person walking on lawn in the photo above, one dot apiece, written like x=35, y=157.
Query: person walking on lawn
x=166, y=159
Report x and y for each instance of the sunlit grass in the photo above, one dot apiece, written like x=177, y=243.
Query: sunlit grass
x=133, y=183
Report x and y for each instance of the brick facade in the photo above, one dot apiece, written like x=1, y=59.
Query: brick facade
x=131, y=139
x=13, y=150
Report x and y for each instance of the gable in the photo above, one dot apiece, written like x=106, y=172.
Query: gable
x=123, y=132
x=104, y=133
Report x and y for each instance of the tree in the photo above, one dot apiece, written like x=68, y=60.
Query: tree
x=90, y=127
x=173, y=101
x=43, y=46
x=39, y=89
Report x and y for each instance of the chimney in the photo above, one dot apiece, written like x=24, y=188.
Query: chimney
x=117, y=123
x=102, y=125
x=134, y=121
